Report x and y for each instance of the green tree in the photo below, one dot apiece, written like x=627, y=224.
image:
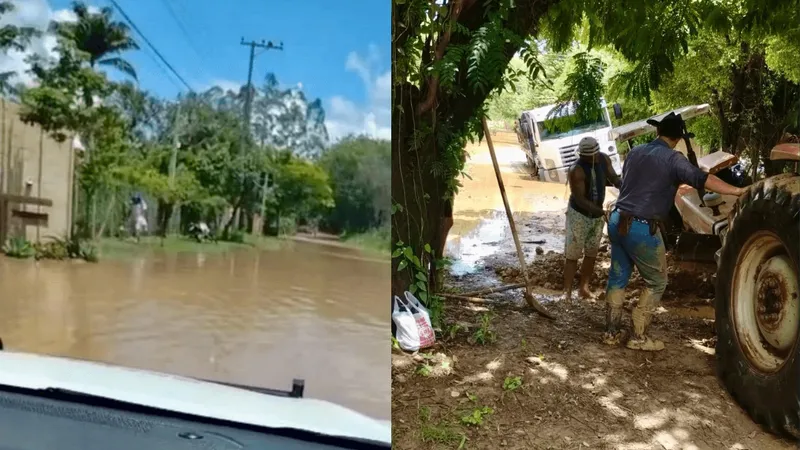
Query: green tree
x=360, y=170
x=100, y=36
x=54, y=104
x=301, y=189
x=12, y=37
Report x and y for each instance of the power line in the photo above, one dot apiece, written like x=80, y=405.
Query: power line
x=149, y=44
x=183, y=29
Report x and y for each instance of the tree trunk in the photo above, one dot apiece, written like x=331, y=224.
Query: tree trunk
x=164, y=214
x=418, y=191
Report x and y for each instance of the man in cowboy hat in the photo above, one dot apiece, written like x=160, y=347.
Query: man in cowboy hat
x=650, y=180
x=587, y=183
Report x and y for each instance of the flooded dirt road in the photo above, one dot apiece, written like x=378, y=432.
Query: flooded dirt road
x=257, y=318
x=501, y=376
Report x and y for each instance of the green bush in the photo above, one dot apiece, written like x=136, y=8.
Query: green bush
x=64, y=248
x=17, y=247
x=287, y=226
x=235, y=236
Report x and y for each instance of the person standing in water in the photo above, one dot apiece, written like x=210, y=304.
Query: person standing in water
x=585, y=213
x=138, y=210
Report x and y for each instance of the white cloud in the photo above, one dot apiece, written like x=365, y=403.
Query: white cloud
x=343, y=116
x=225, y=85
x=36, y=14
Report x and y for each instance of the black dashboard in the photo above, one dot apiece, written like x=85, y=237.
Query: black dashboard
x=57, y=420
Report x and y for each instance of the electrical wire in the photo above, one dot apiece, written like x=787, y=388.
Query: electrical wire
x=184, y=30
x=149, y=44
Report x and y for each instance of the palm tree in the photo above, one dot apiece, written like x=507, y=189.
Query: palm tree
x=98, y=35
x=12, y=38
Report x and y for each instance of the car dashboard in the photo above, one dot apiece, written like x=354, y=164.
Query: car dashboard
x=47, y=420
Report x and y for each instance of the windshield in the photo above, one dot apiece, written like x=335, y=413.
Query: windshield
x=566, y=126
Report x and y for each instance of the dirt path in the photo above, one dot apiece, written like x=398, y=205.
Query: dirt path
x=502, y=377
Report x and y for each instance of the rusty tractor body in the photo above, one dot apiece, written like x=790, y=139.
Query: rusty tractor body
x=754, y=241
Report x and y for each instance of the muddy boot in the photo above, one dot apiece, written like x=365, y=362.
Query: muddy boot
x=614, y=300
x=641, y=316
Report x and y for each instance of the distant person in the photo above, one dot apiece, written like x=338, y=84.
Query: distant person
x=652, y=174
x=138, y=219
x=585, y=213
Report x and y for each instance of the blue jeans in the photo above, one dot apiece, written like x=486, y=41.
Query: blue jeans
x=637, y=249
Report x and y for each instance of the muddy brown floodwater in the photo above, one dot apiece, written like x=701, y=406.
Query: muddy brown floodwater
x=257, y=318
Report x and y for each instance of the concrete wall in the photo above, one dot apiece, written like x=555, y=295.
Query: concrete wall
x=34, y=164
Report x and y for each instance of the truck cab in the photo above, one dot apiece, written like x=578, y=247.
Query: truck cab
x=552, y=150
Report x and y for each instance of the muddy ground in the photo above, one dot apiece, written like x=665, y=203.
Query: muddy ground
x=501, y=376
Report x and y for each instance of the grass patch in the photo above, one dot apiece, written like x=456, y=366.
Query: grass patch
x=115, y=248
x=377, y=241
x=439, y=432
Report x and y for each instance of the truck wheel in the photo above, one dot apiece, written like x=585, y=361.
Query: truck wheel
x=757, y=308
x=534, y=170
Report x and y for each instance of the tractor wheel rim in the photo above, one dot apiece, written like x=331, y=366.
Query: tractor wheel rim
x=764, y=301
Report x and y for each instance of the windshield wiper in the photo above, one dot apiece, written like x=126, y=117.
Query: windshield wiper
x=298, y=387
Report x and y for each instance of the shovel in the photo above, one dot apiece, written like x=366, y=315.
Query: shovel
x=532, y=302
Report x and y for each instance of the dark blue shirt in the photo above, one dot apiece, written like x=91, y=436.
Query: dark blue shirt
x=595, y=193
x=650, y=179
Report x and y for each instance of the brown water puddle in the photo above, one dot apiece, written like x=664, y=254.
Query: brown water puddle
x=481, y=235
x=256, y=318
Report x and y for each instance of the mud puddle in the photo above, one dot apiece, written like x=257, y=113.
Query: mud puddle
x=489, y=241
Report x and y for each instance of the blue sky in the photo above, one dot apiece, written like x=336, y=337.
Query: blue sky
x=337, y=51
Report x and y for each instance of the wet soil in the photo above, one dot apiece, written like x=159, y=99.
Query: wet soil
x=501, y=376
x=553, y=385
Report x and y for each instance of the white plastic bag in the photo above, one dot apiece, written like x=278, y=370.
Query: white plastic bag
x=427, y=337
x=412, y=300
x=407, y=330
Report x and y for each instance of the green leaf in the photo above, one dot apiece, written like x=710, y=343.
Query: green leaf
x=421, y=276
x=422, y=285
x=402, y=265
x=397, y=252
x=409, y=254
x=428, y=248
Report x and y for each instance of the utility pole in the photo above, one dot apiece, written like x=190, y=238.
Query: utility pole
x=173, y=159
x=248, y=100
x=248, y=108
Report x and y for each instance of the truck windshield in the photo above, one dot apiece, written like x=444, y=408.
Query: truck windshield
x=561, y=127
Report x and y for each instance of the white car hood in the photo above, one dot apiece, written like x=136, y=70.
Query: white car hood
x=188, y=396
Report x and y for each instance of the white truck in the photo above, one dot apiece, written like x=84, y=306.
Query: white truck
x=551, y=153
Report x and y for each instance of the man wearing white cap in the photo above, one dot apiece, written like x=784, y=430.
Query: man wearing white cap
x=585, y=213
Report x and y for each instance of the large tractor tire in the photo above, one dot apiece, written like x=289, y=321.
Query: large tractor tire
x=758, y=309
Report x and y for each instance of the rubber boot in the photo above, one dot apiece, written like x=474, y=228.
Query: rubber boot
x=614, y=301
x=641, y=317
